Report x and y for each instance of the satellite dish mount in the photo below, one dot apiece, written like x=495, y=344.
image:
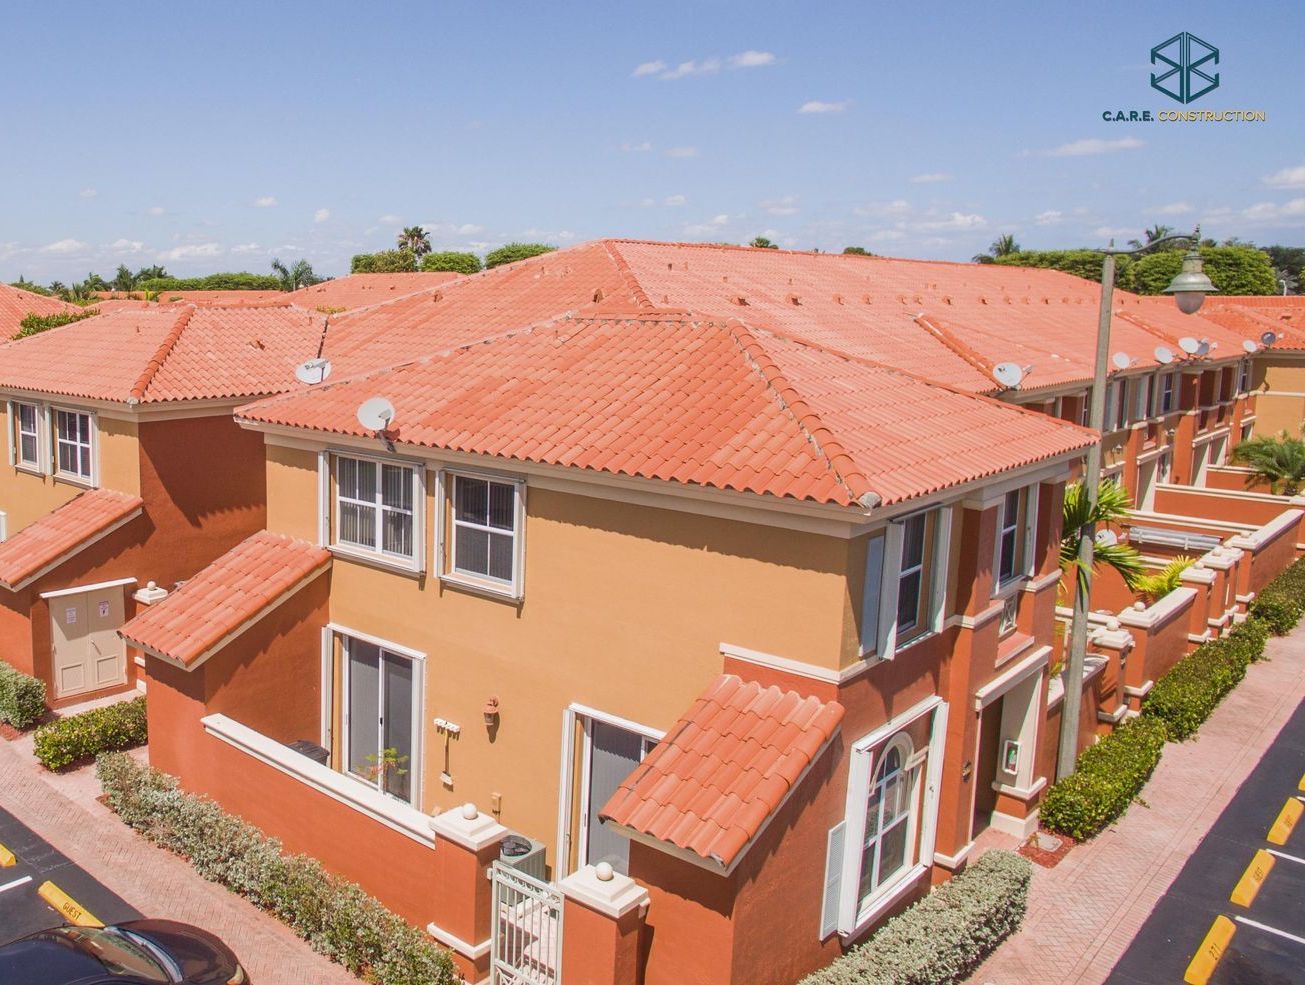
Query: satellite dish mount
x=377, y=415
x=1008, y=374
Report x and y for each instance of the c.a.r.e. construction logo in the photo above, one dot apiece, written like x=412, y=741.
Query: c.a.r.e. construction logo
x=1184, y=68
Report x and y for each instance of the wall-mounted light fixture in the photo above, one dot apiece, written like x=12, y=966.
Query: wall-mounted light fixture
x=491, y=710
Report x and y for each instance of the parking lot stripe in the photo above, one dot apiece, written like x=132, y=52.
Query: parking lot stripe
x=1206, y=959
x=16, y=883
x=72, y=911
x=1252, y=879
x=1289, y=858
x=1271, y=930
x=1286, y=821
x=6, y=857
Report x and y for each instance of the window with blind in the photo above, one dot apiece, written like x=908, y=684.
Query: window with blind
x=375, y=507
x=485, y=520
x=74, y=434
x=27, y=435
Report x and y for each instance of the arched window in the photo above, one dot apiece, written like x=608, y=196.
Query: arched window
x=890, y=820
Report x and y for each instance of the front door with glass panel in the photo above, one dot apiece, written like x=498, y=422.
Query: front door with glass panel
x=611, y=754
x=379, y=719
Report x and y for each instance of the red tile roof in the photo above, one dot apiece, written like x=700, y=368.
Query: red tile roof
x=167, y=352
x=235, y=590
x=359, y=290
x=1251, y=317
x=16, y=304
x=723, y=770
x=705, y=401
x=57, y=535
x=200, y=297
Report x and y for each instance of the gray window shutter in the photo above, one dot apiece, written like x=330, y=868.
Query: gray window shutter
x=833, y=879
x=874, y=572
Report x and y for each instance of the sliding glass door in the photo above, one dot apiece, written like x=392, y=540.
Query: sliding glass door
x=379, y=718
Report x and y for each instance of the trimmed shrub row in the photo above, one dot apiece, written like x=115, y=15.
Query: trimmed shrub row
x=1281, y=603
x=68, y=740
x=1185, y=696
x=22, y=698
x=1106, y=779
x=945, y=936
x=336, y=917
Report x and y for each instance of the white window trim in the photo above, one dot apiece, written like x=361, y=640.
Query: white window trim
x=417, y=760
x=15, y=438
x=445, y=535
x=93, y=424
x=852, y=917
x=329, y=491
x=1026, y=542
x=1169, y=382
x=885, y=646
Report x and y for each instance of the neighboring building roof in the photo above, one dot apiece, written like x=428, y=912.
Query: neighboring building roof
x=76, y=524
x=1252, y=316
x=16, y=304
x=226, y=597
x=692, y=399
x=359, y=290
x=724, y=768
x=200, y=297
x=167, y=352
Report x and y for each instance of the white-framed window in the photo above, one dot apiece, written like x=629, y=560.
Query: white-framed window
x=74, y=453
x=1165, y=393
x=1085, y=409
x=1244, y=377
x=485, y=523
x=1114, y=415
x=25, y=421
x=1248, y=431
x=885, y=841
x=1144, y=395
x=905, y=583
x=382, y=718
x=1015, y=522
x=378, y=507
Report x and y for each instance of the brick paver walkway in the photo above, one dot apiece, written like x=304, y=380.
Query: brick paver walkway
x=1083, y=913
x=62, y=811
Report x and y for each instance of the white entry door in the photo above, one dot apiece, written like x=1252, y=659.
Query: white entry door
x=89, y=655
x=610, y=755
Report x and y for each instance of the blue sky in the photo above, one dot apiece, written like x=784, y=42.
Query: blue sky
x=216, y=136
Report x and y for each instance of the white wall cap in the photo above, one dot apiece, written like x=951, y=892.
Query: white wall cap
x=1162, y=610
x=1200, y=576
x=475, y=832
x=614, y=897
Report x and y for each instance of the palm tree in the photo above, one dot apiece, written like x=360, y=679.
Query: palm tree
x=1003, y=245
x=294, y=277
x=1279, y=461
x=1157, y=586
x=1113, y=505
x=416, y=239
x=123, y=278
x=1154, y=234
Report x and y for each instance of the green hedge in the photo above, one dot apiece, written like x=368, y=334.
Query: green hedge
x=1184, y=697
x=67, y=740
x=1281, y=602
x=513, y=252
x=451, y=260
x=239, y=280
x=1105, y=780
x=34, y=324
x=22, y=698
x=946, y=935
x=333, y=915
x=384, y=262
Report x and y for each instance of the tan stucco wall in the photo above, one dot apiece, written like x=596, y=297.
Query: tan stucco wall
x=1280, y=404
x=26, y=497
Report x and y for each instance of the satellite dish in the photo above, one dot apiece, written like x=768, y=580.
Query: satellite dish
x=313, y=371
x=1268, y=338
x=376, y=414
x=1008, y=374
x=1189, y=345
x=1250, y=345
x=1121, y=360
x=1105, y=538
x=1164, y=354
x=1203, y=348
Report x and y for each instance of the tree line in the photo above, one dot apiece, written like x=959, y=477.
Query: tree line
x=413, y=251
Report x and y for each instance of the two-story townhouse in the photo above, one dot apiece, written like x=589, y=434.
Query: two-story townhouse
x=1279, y=373
x=761, y=626
x=125, y=468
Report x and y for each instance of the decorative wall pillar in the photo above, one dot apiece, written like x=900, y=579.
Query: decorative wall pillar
x=604, y=925
x=466, y=844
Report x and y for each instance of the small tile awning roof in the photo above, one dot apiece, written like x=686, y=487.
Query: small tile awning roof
x=724, y=769
x=168, y=352
x=700, y=400
x=226, y=597
x=42, y=544
x=358, y=290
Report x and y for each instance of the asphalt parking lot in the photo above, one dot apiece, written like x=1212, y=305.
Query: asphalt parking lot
x=1236, y=913
x=22, y=909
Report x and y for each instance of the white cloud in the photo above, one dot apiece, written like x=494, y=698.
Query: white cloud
x=681, y=152
x=708, y=66
x=1049, y=218
x=265, y=202
x=816, y=106
x=897, y=207
x=1093, y=145
x=88, y=193
x=192, y=251
x=1173, y=208
x=243, y=249
x=781, y=206
x=389, y=220
x=649, y=68
x=1270, y=213
x=1287, y=178
x=126, y=246
x=955, y=220
x=933, y=178
x=469, y=229
x=155, y=210
x=886, y=235
x=321, y=215
x=1117, y=232
x=642, y=147
x=674, y=200
x=64, y=247
x=752, y=59
x=711, y=227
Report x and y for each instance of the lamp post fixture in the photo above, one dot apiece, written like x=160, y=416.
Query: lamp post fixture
x=1189, y=289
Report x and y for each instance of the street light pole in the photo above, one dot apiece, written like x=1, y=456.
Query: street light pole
x=1188, y=288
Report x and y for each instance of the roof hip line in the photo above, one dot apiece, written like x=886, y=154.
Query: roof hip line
x=951, y=341
x=161, y=354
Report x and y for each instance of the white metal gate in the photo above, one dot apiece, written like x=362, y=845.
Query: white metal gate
x=526, y=931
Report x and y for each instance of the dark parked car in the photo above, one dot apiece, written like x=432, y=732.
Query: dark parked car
x=142, y=952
